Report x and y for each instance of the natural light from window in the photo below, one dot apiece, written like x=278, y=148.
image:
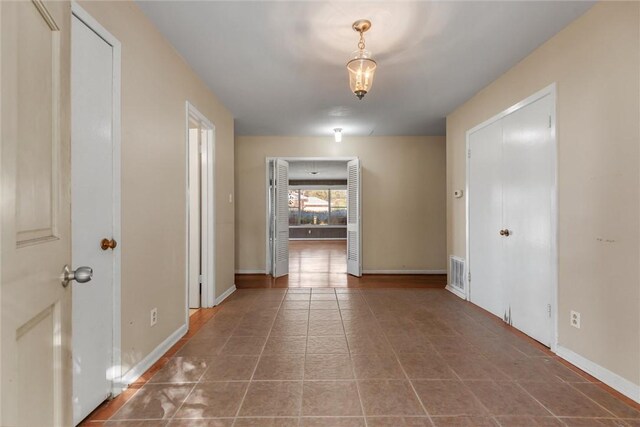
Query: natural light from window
x=317, y=207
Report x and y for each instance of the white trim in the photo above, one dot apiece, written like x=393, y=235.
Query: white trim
x=455, y=291
x=95, y=26
x=318, y=226
x=551, y=91
x=317, y=187
x=226, y=294
x=314, y=159
x=426, y=272
x=268, y=263
x=209, y=270
x=251, y=271
x=143, y=366
x=611, y=379
x=316, y=238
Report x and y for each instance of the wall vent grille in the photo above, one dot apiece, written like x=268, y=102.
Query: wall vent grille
x=456, y=273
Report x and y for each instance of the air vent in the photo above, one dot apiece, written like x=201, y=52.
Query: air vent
x=456, y=274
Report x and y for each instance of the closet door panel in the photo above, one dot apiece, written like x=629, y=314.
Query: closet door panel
x=485, y=219
x=527, y=181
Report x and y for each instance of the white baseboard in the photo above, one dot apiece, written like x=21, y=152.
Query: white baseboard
x=317, y=238
x=225, y=294
x=404, y=271
x=456, y=292
x=611, y=379
x=251, y=271
x=134, y=373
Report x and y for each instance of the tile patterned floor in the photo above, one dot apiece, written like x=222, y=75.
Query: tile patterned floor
x=351, y=357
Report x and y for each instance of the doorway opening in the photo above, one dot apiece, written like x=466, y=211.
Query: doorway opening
x=313, y=220
x=200, y=212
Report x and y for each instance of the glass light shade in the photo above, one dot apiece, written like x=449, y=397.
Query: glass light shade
x=361, y=70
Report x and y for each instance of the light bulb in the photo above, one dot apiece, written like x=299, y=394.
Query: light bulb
x=337, y=133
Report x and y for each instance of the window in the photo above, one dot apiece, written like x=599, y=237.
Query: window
x=294, y=207
x=338, y=207
x=322, y=206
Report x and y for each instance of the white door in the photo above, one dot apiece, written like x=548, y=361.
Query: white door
x=35, y=310
x=511, y=188
x=354, y=220
x=271, y=217
x=201, y=222
x=195, y=212
x=485, y=221
x=527, y=186
x=92, y=216
x=281, y=253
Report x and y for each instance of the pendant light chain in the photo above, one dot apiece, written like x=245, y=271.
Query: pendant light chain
x=361, y=42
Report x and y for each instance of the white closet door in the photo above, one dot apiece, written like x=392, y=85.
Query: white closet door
x=527, y=188
x=354, y=222
x=195, y=209
x=282, y=219
x=485, y=221
x=92, y=213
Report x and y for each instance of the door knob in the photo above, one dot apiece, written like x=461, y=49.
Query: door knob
x=80, y=275
x=505, y=232
x=108, y=244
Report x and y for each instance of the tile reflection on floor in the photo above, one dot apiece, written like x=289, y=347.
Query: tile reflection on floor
x=351, y=357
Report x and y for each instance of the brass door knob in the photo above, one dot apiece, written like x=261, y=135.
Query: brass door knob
x=108, y=244
x=505, y=232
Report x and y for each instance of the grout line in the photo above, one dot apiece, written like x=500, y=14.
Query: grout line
x=304, y=365
x=255, y=368
x=353, y=370
x=593, y=400
x=415, y=392
x=517, y=384
x=182, y=403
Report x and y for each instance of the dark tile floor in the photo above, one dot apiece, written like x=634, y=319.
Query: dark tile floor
x=350, y=357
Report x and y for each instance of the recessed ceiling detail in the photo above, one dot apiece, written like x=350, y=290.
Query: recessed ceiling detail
x=279, y=66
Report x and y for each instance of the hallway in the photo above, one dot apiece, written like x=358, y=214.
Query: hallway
x=351, y=357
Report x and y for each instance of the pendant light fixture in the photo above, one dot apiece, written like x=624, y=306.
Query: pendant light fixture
x=361, y=66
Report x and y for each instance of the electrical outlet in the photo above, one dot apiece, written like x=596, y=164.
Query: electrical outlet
x=154, y=316
x=575, y=319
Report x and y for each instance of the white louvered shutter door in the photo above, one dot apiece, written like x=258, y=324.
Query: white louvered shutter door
x=354, y=222
x=282, y=219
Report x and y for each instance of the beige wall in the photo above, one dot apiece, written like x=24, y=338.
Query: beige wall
x=156, y=83
x=595, y=63
x=403, y=197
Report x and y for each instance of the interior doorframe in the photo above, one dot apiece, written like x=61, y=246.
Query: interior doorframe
x=268, y=261
x=551, y=91
x=116, y=367
x=207, y=298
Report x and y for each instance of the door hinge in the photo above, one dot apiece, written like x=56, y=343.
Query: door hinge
x=549, y=122
x=469, y=153
x=469, y=276
x=201, y=279
x=549, y=309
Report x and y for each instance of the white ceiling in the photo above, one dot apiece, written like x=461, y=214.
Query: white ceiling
x=325, y=169
x=279, y=66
